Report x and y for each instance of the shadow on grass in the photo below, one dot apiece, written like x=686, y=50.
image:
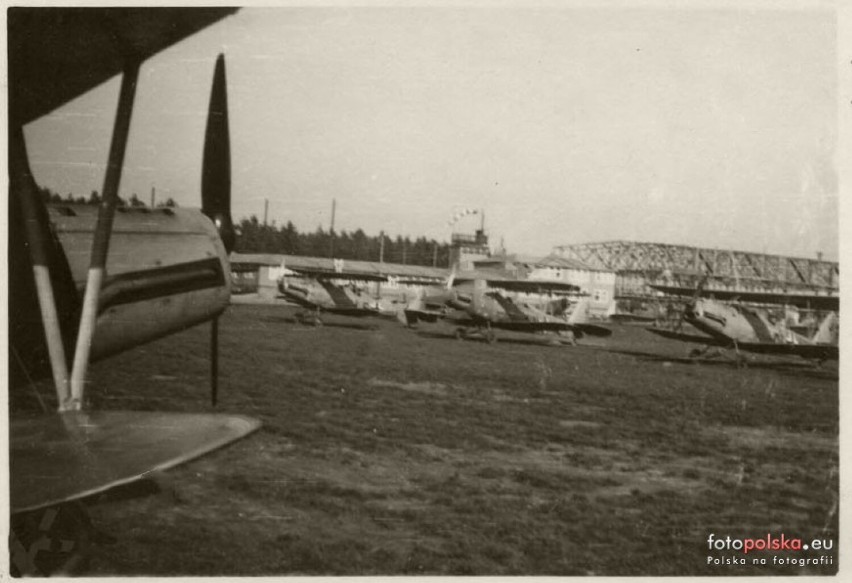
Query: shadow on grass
x=290, y=320
x=531, y=341
x=136, y=489
x=804, y=368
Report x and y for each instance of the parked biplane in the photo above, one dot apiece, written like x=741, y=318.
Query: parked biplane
x=751, y=329
x=85, y=283
x=321, y=292
x=479, y=306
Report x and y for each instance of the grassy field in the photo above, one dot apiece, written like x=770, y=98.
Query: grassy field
x=389, y=451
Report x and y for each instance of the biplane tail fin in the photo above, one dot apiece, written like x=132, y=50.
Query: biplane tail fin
x=580, y=314
x=827, y=332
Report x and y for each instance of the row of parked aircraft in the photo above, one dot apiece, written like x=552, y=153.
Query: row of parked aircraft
x=479, y=306
x=475, y=306
x=152, y=276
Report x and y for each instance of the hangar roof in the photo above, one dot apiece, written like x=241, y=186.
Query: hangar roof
x=563, y=263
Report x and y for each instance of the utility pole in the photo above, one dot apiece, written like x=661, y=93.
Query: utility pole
x=153, y=196
x=403, y=251
x=265, y=210
x=331, y=242
x=435, y=255
x=382, y=247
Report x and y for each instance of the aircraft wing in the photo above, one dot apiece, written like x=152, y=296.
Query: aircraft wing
x=631, y=318
x=527, y=285
x=413, y=316
x=529, y=326
x=592, y=330
x=811, y=301
x=579, y=330
x=58, y=458
x=815, y=351
x=693, y=338
x=57, y=54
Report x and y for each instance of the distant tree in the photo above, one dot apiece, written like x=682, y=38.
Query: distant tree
x=254, y=237
x=290, y=239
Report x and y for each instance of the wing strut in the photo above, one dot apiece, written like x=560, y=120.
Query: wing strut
x=22, y=185
x=103, y=230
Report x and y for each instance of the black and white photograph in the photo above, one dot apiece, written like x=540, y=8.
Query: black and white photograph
x=424, y=289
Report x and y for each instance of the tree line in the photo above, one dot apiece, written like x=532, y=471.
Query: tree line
x=255, y=237
x=49, y=196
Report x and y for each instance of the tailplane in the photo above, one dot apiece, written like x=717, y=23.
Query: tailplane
x=452, y=278
x=480, y=287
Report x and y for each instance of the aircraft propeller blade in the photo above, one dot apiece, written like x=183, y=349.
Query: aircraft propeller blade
x=216, y=166
x=216, y=191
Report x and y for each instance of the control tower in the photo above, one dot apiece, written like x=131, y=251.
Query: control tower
x=465, y=249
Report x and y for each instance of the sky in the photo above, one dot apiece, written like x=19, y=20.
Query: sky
x=713, y=128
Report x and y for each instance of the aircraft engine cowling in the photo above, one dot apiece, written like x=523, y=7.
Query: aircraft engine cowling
x=167, y=270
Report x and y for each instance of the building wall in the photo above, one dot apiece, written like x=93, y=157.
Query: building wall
x=267, y=281
x=244, y=282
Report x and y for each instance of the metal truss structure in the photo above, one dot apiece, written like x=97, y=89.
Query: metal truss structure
x=639, y=264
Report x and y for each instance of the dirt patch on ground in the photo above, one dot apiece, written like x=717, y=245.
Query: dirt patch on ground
x=752, y=438
x=579, y=423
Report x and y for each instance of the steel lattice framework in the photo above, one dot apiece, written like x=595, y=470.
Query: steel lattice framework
x=638, y=264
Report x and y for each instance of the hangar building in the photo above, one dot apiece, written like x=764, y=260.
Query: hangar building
x=638, y=265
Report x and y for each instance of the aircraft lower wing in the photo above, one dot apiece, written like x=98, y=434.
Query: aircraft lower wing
x=414, y=316
x=516, y=326
x=592, y=330
x=64, y=457
x=815, y=351
x=353, y=312
x=693, y=338
x=631, y=319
